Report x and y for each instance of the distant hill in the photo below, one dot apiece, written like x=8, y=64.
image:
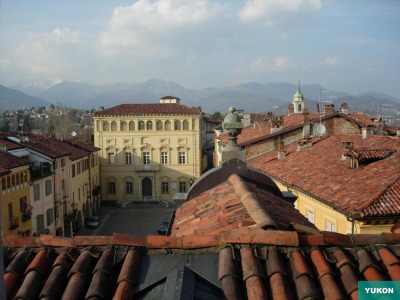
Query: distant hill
x=11, y=99
x=252, y=96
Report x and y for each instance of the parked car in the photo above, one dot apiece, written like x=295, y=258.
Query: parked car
x=94, y=222
x=163, y=227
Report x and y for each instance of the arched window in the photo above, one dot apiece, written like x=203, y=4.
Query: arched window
x=167, y=125
x=3, y=184
x=159, y=125
x=185, y=125
x=13, y=180
x=8, y=182
x=123, y=126
x=177, y=125
x=131, y=126
x=106, y=126
x=17, y=179
x=299, y=108
x=149, y=125
x=113, y=126
x=141, y=125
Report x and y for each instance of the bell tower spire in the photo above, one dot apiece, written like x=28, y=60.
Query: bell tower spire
x=298, y=100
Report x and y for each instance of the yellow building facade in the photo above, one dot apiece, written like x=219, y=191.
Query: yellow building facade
x=149, y=152
x=15, y=196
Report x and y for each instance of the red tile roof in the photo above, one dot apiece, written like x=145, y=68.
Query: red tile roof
x=258, y=132
x=321, y=171
x=257, y=264
x=9, y=162
x=235, y=205
x=150, y=109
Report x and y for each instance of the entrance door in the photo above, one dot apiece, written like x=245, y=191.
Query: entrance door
x=147, y=189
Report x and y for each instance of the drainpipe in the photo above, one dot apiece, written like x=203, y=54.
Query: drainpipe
x=350, y=219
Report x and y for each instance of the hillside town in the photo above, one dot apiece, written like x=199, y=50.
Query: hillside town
x=309, y=179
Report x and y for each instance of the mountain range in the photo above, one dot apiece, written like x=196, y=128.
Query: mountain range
x=252, y=97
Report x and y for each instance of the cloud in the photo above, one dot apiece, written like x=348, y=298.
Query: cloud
x=44, y=53
x=332, y=61
x=270, y=11
x=4, y=62
x=142, y=23
x=264, y=65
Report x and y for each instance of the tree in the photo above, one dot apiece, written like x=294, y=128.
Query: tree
x=217, y=116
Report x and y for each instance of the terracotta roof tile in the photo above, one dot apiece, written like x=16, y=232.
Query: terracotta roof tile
x=355, y=187
x=149, y=109
x=251, y=266
x=9, y=161
x=234, y=205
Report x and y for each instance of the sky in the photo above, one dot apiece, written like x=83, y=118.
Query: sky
x=351, y=46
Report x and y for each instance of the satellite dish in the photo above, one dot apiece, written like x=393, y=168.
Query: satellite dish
x=73, y=133
x=321, y=129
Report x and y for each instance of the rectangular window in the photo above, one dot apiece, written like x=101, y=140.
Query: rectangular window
x=128, y=158
x=182, y=158
x=111, y=187
x=111, y=158
x=310, y=216
x=182, y=187
x=330, y=226
x=73, y=170
x=50, y=216
x=165, y=187
x=164, y=158
x=23, y=205
x=79, y=168
x=129, y=187
x=49, y=189
x=62, y=162
x=146, y=158
x=36, y=192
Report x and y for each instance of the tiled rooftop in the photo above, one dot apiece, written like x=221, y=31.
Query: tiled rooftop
x=9, y=161
x=315, y=170
x=236, y=205
x=149, y=109
x=254, y=133
x=257, y=265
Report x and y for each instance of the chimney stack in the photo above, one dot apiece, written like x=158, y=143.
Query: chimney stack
x=347, y=145
x=329, y=108
x=3, y=148
x=366, y=131
x=281, y=149
x=344, y=109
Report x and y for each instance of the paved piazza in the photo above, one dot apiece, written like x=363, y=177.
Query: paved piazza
x=134, y=219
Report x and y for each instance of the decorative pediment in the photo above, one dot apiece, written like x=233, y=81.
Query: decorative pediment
x=129, y=148
x=111, y=148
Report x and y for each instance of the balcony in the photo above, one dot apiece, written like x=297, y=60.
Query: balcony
x=13, y=223
x=146, y=168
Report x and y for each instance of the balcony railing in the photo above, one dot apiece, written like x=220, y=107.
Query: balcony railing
x=13, y=223
x=146, y=168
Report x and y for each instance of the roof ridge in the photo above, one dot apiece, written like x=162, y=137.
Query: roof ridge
x=251, y=203
x=261, y=237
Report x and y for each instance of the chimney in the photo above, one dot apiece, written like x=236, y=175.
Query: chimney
x=344, y=109
x=366, y=131
x=347, y=145
x=304, y=143
x=276, y=123
x=3, y=148
x=329, y=108
x=306, y=114
x=281, y=149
